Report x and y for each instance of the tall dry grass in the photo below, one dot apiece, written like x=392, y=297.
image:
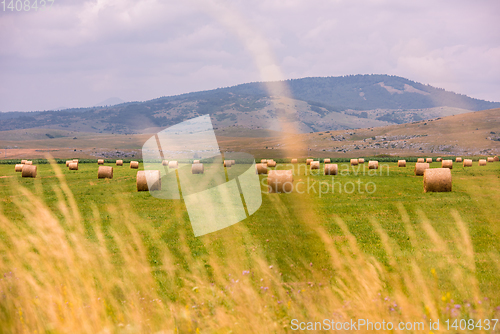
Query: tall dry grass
x=55, y=279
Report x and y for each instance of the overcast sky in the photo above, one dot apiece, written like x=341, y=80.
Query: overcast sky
x=80, y=53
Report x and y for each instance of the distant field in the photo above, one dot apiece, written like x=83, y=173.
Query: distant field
x=294, y=255
x=468, y=134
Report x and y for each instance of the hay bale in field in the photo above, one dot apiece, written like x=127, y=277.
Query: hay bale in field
x=134, y=164
x=105, y=172
x=263, y=161
x=354, y=162
x=327, y=161
x=75, y=160
x=100, y=161
x=420, y=160
x=173, y=164
x=119, y=162
x=154, y=177
x=19, y=167
x=28, y=162
x=467, y=163
x=458, y=159
x=271, y=163
x=227, y=163
x=28, y=171
x=197, y=168
x=482, y=162
x=196, y=161
x=361, y=160
x=428, y=160
x=314, y=164
x=294, y=161
x=68, y=162
x=260, y=168
x=420, y=168
x=447, y=164
x=437, y=180
x=280, y=181
x=495, y=158
x=401, y=163
x=23, y=161
x=490, y=159
x=331, y=169
x=308, y=161
x=372, y=164
x=233, y=162
x=73, y=166
x=439, y=159
x=164, y=162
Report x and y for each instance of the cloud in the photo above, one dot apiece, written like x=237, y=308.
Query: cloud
x=83, y=52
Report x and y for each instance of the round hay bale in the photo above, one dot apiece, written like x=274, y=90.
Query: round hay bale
x=263, y=161
x=75, y=160
x=19, y=167
x=361, y=160
x=280, y=181
x=271, y=163
x=23, y=161
x=420, y=167
x=428, y=160
x=196, y=161
x=331, y=169
x=260, y=168
x=68, y=162
x=119, y=162
x=490, y=159
x=197, y=168
x=314, y=164
x=28, y=171
x=233, y=162
x=73, y=166
x=173, y=164
x=28, y=162
x=164, y=162
x=308, y=161
x=420, y=160
x=154, y=177
x=372, y=164
x=467, y=163
x=447, y=164
x=294, y=161
x=437, y=180
x=354, y=162
x=401, y=163
x=482, y=162
x=495, y=158
x=458, y=159
x=134, y=164
x=327, y=161
x=105, y=172
x=100, y=161
x=439, y=159
x=227, y=163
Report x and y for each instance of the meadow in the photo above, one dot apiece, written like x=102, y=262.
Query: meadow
x=87, y=255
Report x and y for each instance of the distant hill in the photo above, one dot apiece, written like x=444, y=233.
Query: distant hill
x=110, y=102
x=331, y=103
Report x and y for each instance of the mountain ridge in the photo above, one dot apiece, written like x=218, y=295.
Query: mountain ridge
x=321, y=103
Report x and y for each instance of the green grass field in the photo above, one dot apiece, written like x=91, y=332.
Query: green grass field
x=376, y=238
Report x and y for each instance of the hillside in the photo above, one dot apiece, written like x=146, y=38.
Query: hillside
x=474, y=133
x=470, y=134
x=320, y=104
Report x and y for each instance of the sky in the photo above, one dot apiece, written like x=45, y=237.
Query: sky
x=79, y=53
